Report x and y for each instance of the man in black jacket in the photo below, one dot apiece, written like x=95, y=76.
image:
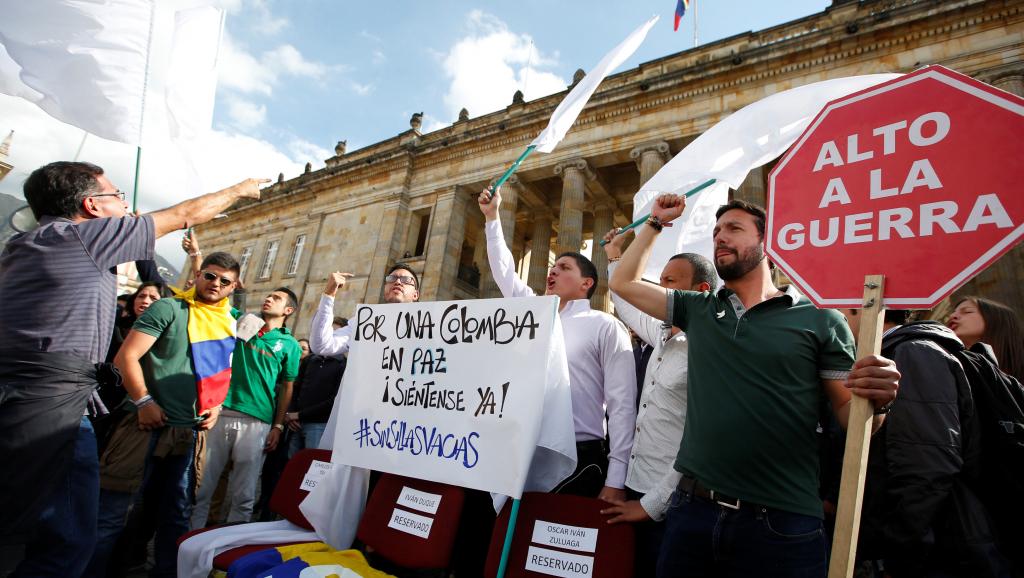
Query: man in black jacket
x=923, y=462
x=315, y=389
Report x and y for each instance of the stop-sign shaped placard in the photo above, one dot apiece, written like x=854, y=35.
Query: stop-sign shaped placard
x=920, y=179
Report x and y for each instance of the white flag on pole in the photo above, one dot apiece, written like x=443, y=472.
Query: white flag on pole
x=746, y=139
x=572, y=105
x=84, y=62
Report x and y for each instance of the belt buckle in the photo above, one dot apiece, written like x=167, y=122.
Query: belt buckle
x=732, y=506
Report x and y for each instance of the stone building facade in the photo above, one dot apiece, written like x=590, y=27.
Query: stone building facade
x=411, y=198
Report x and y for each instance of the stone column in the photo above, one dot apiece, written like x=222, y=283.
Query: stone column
x=1003, y=280
x=753, y=189
x=539, y=249
x=507, y=216
x=574, y=174
x=650, y=157
x=604, y=220
x=396, y=208
x=445, y=245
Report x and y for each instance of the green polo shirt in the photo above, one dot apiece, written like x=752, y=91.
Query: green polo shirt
x=256, y=366
x=754, y=390
x=167, y=366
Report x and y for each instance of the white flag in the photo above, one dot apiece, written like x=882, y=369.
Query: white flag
x=573, y=103
x=83, y=62
x=746, y=139
x=101, y=65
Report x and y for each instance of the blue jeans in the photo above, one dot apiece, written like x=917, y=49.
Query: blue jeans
x=174, y=477
x=66, y=533
x=308, y=437
x=703, y=538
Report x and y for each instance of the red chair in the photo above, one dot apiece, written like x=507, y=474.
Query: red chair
x=402, y=548
x=611, y=558
x=285, y=500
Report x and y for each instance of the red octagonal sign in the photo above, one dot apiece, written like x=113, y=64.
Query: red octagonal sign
x=918, y=179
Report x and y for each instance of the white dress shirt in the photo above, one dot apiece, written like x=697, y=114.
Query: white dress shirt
x=602, y=373
x=323, y=339
x=662, y=413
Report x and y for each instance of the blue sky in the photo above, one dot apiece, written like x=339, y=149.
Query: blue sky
x=296, y=76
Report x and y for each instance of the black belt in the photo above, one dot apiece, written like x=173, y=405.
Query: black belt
x=693, y=487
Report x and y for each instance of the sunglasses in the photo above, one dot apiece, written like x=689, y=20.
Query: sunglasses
x=224, y=281
x=403, y=279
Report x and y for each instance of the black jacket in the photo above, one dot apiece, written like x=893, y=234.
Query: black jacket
x=923, y=461
x=316, y=385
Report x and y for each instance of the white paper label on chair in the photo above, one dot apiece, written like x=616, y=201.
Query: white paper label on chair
x=562, y=536
x=417, y=500
x=556, y=563
x=317, y=471
x=410, y=523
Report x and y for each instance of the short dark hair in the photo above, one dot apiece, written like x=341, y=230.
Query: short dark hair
x=398, y=266
x=587, y=269
x=754, y=210
x=59, y=189
x=293, y=301
x=897, y=316
x=339, y=320
x=703, y=269
x=222, y=260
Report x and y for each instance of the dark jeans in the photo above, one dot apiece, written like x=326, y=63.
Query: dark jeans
x=703, y=538
x=172, y=482
x=649, y=536
x=66, y=534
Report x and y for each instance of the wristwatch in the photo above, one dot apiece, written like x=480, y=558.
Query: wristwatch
x=885, y=408
x=279, y=426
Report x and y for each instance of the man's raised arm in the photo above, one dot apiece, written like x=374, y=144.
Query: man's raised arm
x=503, y=267
x=202, y=209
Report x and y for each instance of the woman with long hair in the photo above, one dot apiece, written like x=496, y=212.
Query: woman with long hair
x=978, y=319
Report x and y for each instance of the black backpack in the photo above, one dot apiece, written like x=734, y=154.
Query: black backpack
x=999, y=411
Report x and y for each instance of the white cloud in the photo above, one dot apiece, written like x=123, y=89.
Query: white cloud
x=487, y=66
x=245, y=114
x=259, y=10
x=378, y=57
x=240, y=70
x=360, y=88
x=303, y=150
x=430, y=124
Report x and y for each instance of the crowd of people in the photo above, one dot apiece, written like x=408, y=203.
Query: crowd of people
x=716, y=429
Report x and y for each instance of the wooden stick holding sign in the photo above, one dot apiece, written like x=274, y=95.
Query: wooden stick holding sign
x=858, y=438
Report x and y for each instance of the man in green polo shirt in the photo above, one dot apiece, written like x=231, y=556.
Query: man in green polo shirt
x=253, y=416
x=760, y=358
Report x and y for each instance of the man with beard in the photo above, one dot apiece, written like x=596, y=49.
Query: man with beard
x=760, y=358
x=252, y=421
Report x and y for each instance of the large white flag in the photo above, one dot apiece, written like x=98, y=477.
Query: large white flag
x=746, y=139
x=94, y=63
x=572, y=105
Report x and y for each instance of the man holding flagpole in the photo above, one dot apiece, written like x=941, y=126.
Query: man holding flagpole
x=57, y=307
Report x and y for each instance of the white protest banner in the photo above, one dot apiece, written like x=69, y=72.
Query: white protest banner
x=451, y=392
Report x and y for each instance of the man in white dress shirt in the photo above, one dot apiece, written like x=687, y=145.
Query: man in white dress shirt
x=602, y=376
x=651, y=478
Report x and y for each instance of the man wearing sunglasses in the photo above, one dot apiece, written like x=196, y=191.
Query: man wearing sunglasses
x=253, y=418
x=156, y=442
x=400, y=286
x=58, y=295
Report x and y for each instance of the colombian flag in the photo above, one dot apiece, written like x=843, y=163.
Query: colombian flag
x=681, y=6
x=211, y=334
x=290, y=561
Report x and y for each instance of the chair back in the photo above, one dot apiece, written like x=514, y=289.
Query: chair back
x=562, y=535
x=290, y=492
x=412, y=523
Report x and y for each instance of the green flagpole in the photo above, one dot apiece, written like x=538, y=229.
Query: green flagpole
x=507, y=547
x=501, y=180
x=643, y=219
x=135, y=189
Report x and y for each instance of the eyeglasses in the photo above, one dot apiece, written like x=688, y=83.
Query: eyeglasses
x=224, y=281
x=117, y=194
x=403, y=279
